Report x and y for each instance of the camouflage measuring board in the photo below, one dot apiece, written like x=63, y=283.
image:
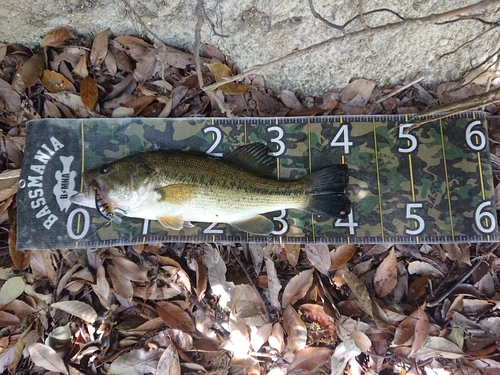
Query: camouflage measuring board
x=433, y=185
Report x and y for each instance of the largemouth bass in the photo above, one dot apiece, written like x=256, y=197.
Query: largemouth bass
x=177, y=188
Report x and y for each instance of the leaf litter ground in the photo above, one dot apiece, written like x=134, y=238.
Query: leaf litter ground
x=226, y=308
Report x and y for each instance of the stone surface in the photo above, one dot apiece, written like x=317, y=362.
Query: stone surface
x=253, y=32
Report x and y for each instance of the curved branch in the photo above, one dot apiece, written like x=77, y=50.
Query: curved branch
x=431, y=19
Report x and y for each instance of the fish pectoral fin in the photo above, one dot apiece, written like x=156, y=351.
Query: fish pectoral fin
x=259, y=225
x=177, y=193
x=188, y=224
x=172, y=222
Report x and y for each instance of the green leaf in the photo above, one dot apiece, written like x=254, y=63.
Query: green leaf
x=12, y=289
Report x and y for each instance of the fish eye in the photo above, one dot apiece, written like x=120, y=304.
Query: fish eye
x=104, y=169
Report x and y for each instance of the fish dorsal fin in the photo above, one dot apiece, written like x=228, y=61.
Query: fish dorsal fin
x=255, y=157
x=172, y=222
x=259, y=225
x=177, y=193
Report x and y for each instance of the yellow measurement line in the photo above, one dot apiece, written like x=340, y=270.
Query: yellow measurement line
x=278, y=168
x=483, y=194
x=447, y=181
x=412, y=183
x=412, y=180
x=143, y=239
x=309, y=143
x=378, y=178
x=310, y=170
x=245, y=131
x=78, y=216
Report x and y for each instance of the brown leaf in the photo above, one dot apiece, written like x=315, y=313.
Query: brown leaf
x=10, y=98
x=277, y=338
x=33, y=69
x=261, y=336
x=290, y=100
x=292, y=252
x=46, y=357
x=359, y=290
x=21, y=259
x=41, y=264
x=341, y=255
x=201, y=276
x=99, y=48
x=362, y=341
x=295, y=328
x=174, y=316
x=418, y=287
x=19, y=308
x=56, y=82
x=361, y=87
x=386, y=275
x=121, y=285
x=319, y=256
x=80, y=68
x=297, y=287
x=77, y=308
x=89, y=92
x=267, y=105
x=169, y=362
x=309, y=359
x=122, y=60
x=222, y=71
x=138, y=103
x=129, y=269
x=7, y=319
x=421, y=329
x=212, y=51
x=274, y=284
x=57, y=38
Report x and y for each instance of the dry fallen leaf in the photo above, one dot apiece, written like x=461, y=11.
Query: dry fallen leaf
x=295, y=328
x=47, y=358
x=174, y=316
x=89, y=92
x=341, y=255
x=319, y=256
x=297, y=287
x=386, y=275
x=77, y=308
x=99, y=48
x=57, y=38
x=56, y=82
x=33, y=69
x=222, y=71
x=421, y=329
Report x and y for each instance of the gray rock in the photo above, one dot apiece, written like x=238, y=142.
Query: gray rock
x=254, y=32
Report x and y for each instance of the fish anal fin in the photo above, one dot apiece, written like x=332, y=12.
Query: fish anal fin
x=255, y=157
x=258, y=225
x=177, y=193
x=175, y=222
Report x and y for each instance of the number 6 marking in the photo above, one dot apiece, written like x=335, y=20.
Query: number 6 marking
x=480, y=216
x=417, y=218
x=471, y=142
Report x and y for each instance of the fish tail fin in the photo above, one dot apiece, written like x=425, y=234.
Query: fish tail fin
x=326, y=192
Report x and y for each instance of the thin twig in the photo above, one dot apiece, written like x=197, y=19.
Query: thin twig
x=362, y=15
x=215, y=322
x=398, y=90
x=139, y=19
x=431, y=19
x=446, y=293
x=340, y=28
x=464, y=105
x=263, y=302
x=196, y=54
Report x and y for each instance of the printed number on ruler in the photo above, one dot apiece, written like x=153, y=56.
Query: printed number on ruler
x=341, y=139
